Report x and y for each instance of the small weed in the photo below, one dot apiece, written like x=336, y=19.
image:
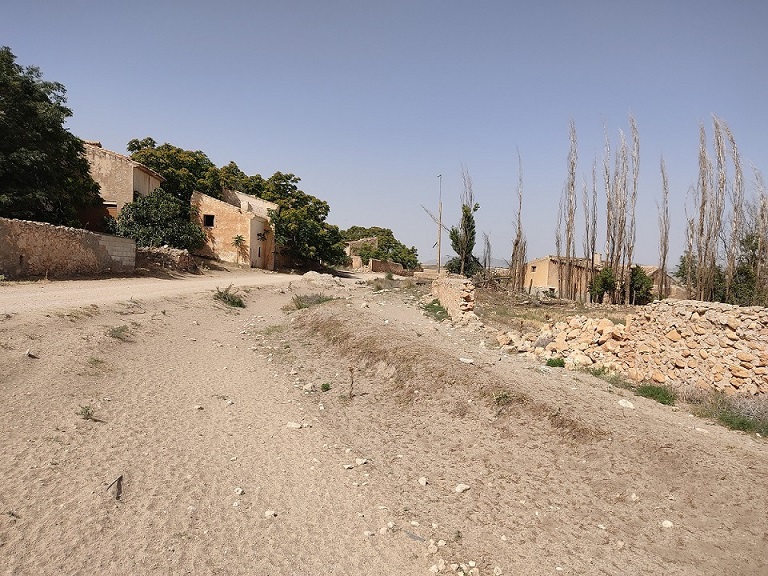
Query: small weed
x=661, y=394
x=229, y=297
x=274, y=329
x=556, y=363
x=95, y=362
x=325, y=386
x=613, y=378
x=502, y=398
x=737, y=413
x=388, y=276
x=86, y=412
x=121, y=333
x=299, y=301
x=11, y=513
x=436, y=311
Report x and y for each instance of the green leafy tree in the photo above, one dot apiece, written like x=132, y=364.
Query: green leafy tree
x=640, y=287
x=159, y=219
x=44, y=174
x=185, y=171
x=463, y=238
x=389, y=247
x=300, y=221
x=603, y=283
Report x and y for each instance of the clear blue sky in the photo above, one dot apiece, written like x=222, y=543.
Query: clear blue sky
x=368, y=101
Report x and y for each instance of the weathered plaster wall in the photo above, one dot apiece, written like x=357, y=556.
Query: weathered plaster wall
x=32, y=249
x=228, y=222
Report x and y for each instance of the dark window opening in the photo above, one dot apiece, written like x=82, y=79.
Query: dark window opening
x=259, y=251
x=533, y=268
x=208, y=220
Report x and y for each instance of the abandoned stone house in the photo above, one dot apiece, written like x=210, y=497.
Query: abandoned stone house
x=353, y=247
x=543, y=276
x=121, y=180
x=237, y=228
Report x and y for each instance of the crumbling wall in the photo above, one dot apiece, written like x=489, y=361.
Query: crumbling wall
x=457, y=296
x=386, y=266
x=36, y=249
x=674, y=342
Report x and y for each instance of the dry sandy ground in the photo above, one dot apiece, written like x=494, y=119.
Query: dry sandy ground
x=193, y=402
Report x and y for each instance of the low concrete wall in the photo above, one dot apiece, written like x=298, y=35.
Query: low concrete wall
x=33, y=249
x=457, y=295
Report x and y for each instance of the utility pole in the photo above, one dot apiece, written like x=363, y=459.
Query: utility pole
x=439, y=218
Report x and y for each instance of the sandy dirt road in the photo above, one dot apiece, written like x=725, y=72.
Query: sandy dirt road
x=42, y=295
x=234, y=460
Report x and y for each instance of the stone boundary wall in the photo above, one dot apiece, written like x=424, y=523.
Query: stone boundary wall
x=386, y=266
x=165, y=257
x=35, y=249
x=457, y=295
x=680, y=343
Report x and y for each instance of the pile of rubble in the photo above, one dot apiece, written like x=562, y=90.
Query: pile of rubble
x=675, y=342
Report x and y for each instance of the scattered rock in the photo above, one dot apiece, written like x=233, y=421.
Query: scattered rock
x=361, y=461
x=666, y=524
x=466, y=360
x=239, y=491
x=460, y=488
x=29, y=353
x=270, y=514
x=367, y=533
x=198, y=407
x=423, y=481
x=624, y=403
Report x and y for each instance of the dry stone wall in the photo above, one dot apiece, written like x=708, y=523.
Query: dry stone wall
x=36, y=249
x=680, y=343
x=457, y=296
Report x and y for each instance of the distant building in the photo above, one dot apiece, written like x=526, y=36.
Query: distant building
x=544, y=275
x=121, y=181
x=239, y=216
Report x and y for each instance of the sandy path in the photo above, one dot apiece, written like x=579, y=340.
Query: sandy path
x=541, y=500
x=45, y=295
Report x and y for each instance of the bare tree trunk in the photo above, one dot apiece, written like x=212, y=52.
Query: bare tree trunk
x=663, y=232
x=761, y=230
x=631, y=232
x=702, y=232
x=570, y=215
x=559, y=248
x=737, y=215
x=517, y=260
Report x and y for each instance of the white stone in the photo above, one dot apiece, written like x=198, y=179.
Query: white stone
x=361, y=461
x=466, y=360
x=270, y=514
x=461, y=488
x=239, y=491
x=423, y=481
x=666, y=524
x=626, y=404
x=293, y=425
